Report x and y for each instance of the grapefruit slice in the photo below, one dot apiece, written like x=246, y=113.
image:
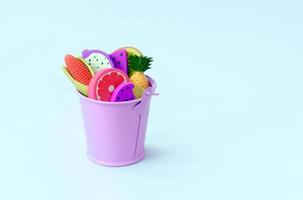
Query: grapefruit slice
x=103, y=84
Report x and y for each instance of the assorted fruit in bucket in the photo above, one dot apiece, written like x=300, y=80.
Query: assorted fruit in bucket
x=114, y=77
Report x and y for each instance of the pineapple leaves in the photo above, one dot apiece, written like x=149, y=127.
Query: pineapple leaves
x=139, y=63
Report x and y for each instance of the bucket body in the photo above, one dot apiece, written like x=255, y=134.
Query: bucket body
x=115, y=131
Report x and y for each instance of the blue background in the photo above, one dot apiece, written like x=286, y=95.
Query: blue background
x=227, y=123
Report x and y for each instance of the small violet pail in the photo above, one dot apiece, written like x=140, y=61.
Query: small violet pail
x=115, y=131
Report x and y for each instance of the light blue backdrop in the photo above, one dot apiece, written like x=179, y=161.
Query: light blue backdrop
x=228, y=122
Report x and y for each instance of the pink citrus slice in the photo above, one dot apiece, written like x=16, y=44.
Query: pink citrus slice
x=104, y=83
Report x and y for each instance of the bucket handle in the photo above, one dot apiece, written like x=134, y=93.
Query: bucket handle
x=145, y=97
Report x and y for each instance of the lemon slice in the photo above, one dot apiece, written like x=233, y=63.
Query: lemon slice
x=132, y=51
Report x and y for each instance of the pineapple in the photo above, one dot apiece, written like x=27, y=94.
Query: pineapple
x=137, y=66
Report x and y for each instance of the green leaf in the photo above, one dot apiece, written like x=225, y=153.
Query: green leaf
x=138, y=63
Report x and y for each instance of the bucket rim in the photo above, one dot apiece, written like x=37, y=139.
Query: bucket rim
x=153, y=86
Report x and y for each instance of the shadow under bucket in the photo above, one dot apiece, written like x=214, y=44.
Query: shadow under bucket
x=115, y=131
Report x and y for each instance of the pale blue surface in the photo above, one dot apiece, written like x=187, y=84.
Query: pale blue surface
x=228, y=122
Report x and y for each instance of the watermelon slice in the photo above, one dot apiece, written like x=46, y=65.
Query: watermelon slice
x=119, y=58
x=124, y=92
x=103, y=84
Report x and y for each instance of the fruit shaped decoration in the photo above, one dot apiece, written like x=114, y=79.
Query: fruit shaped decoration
x=97, y=59
x=137, y=66
x=119, y=58
x=124, y=92
x=103, y=84
x=132, y=51
x=78, y=72
x=138, y=91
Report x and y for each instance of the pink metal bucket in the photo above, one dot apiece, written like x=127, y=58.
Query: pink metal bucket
x=115, y=131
